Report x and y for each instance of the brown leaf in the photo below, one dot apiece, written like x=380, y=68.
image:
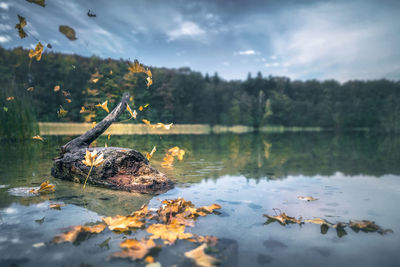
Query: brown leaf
x=20, y=27
x=307, y=198
x=37, y=53
x=30, y=89
x=44, y=188
x=201, y=258
x=73, y=233
x=104, y=106
x=37, y=2
x=123, y=223
x=135, y=249
x=68, y=32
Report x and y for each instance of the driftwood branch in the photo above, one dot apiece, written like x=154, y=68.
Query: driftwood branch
x=87, y=138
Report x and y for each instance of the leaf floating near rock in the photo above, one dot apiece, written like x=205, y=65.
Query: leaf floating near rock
x=368, y=226
x=56, y=206
x=37, y=2
x=135, y=249
x=44, y=188
x=49, y=46
x=283, y=219
x=90, y=14
x=68, y=32
x=201, y=258
x=308, y=198
x=169, y=233
x=38, y=137
x=123, y=223
x=20, y=27
x=104, y=106
x=37, y=53
x=136, y=67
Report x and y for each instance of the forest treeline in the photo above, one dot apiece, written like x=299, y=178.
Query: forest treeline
x=186, y=96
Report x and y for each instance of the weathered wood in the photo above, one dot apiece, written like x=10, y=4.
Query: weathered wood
x=123, y=168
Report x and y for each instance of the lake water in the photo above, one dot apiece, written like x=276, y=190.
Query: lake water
x=354, y=176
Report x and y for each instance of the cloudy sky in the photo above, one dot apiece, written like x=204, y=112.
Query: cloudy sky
x=295, y=38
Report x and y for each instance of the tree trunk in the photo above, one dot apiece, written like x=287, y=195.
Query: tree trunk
x=123, y=168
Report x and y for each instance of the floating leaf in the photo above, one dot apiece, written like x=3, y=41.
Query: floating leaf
x=75, y=231
x=30, y=89
x=104, y=106
x=44, y=188
x=37, y=2
x=10, y=98
x=201, y=258
x=62, y=112
x=37, y=53
x=169, y=233
x=149, y=156
x=368, y=226
x=20, y=27
x=135, y=249
x=123, y=223
x=38, y=137
x=136, y=67
x=68, y=32
x=283, y=219
x=108, y=136
x=308, y=198
x=56, y=206
x=56, y=88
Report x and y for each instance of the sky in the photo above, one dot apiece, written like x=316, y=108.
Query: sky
x=299, y=39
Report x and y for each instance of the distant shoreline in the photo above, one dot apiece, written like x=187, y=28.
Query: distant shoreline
x=78, y=128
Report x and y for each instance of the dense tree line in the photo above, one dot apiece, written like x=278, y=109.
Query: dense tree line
x=185, y=96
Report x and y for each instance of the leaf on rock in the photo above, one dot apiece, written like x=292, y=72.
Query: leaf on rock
x=91, y=159
x=307, y=198
x=30, y=89
x=20, y=27
x=201, y=258
x=68, y=32
x=38, y=137
x=37, y=2
x=104, y=106
x=37, y=53
x=83, y=110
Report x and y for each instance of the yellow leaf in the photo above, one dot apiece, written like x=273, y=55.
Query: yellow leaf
x=104, y=106
x=37, y=53
x=62, y=112
x=56, y=206
x=141, y=108
x=135, y=249
x=201, y=258
x=91, y=159
x=149, y=156
x=89, y=117
x=73, y=233
x=149, y=81
x=44, y=188
x=38, y=137
x=30, y=89
x=20, y=27
x=308, y=198
x=93, y=124
x=108, y=136
x=133, y=114
x=68, y=32
x=56, y=88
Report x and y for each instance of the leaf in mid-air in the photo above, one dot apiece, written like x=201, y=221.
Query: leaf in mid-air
x=141, y=108
x=68, y=32
x=136, y=67
x=56, y=88
x=62, y=112
x=10, y=98
x=30, y=89
x=91, y=159
x=133, y=113
x=169, y=233
x=104, y=106
x=20, y=27
x=68, y=100
x=37, y=53
x=201, y=258
x=150, y=155
x=149, y=81
x=37, y=2
x=283, y=219
x=38, y=137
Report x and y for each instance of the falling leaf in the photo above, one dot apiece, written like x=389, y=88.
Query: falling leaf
x=141, y=108
x=44, y=188
x=20, y=27
x=149, y=81
x=5, y=109
x=68, y=100
x=149, y=156
x=89, y=117
x=94, y=124
x=65, y=93
x=37, y=2
x=38, y=137
x=135, y=249
x=56, y=206
x=30, y=89
x=83, y=110
x=201, y=258
x=10, y=98
x=149, y=259
x=136, y=67
x=68, y=32
x=308, y=198
x=145, y=106
x=169, y=233
x=75, y=231
x=56, y=88
x=62, y=112
x=37, y=53
x=108, y=136
x=283, y=219
x=95, y=80
x=49, y=46
x=104, y=106
x=133, y=114
x=167, y=160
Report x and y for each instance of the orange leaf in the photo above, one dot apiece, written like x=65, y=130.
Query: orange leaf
x=37, y=53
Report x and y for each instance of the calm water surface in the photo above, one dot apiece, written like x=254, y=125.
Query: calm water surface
x=354, y=176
